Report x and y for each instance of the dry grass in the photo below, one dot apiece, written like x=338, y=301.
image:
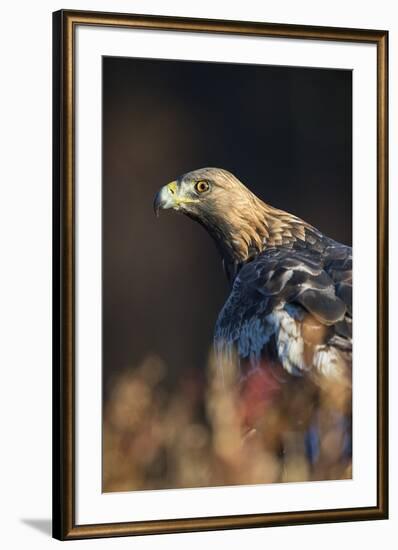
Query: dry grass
x=160, y=435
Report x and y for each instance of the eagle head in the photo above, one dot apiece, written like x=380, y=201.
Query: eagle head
x=240, y=223
x=205, y=194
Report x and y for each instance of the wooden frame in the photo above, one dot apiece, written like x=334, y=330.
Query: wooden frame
x=64, y=24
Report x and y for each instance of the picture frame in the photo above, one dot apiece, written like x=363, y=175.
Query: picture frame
x=66, y=113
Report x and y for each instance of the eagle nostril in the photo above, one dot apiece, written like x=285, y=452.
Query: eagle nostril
x=172, y=187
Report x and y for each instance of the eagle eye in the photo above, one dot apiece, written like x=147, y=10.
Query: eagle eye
x=202, y=186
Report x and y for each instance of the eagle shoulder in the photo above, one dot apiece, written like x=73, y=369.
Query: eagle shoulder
x=293, y=305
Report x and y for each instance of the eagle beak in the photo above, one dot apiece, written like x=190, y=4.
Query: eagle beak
x=165, y=198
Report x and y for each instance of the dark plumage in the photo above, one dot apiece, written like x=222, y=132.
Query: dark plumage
x=289, y=311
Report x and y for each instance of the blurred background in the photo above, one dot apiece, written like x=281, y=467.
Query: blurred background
x=286, y=133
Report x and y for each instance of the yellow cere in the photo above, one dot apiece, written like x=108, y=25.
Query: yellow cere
x=172, y=187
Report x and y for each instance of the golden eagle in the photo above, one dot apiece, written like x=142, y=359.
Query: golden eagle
x=288, y=316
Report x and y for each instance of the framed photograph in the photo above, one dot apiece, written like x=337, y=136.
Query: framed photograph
x=207, y=370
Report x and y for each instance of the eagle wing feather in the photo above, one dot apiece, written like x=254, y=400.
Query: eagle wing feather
x=293, y=305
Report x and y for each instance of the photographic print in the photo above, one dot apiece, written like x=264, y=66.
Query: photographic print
x=219, y=275
x=227, y=331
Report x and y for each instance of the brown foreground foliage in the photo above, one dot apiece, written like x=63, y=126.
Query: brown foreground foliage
x=158, y=434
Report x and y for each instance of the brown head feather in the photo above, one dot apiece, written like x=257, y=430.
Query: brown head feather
x=241, y=223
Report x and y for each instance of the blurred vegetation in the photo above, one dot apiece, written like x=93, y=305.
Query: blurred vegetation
x=194, y=433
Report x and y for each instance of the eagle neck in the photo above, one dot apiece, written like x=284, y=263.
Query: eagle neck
x=247, y=228
x=250, y=229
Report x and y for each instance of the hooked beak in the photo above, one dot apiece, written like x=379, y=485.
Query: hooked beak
x=165, y=198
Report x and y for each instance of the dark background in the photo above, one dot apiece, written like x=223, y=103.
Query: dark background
x=285, y=132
